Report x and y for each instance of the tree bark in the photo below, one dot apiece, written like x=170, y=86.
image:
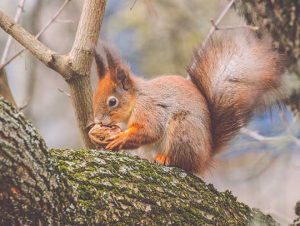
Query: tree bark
x=41, y=186
x=31, y=190
x=282, y=20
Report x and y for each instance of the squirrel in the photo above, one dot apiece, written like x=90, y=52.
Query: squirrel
x=185, y=122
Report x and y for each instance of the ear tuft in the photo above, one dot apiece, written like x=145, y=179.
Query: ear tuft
x=123, y=78
x=101, y=69
x=112, y=60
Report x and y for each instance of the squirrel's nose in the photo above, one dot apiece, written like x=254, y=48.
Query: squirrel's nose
x=104, y=120
x=97, y=120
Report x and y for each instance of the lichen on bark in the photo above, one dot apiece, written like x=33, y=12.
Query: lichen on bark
x=88, y=187
x=114, y=187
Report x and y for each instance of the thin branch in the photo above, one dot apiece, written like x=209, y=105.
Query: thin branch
x=30, y=90
x=53, y=18
x=9, y=40
x=61, y=8
x=65, y=21
x=64, y=92
x=255, y=135
x=219, y=19
x=133, y=4
x=258, y=136
x=22, y=108
x=38, y=49
x=290, y=132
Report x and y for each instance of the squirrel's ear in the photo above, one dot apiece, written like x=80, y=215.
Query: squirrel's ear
x=123, y=78
x=101, y=69
x=118, y=72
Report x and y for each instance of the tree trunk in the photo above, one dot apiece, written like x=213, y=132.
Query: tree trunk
x=41, y=186
x=282, y=20
x=31, y=190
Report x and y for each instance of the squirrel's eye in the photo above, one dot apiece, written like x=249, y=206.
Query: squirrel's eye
x=112, y=101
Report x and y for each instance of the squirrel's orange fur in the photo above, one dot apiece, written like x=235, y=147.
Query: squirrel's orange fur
x=184, y=122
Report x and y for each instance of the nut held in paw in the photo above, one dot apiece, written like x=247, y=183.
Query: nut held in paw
x=102, y=135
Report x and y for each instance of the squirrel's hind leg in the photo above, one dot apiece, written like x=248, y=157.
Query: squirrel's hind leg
x=187, y=143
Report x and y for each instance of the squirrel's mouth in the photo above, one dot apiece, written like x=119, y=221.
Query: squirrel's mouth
x=104, y=120
x=110, y=125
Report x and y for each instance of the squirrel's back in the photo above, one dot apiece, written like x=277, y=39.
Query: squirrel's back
x=235, y=74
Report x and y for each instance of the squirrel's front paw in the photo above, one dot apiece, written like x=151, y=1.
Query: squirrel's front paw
x=118, y=142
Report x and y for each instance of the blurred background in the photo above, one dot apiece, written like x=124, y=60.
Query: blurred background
x=262, y=165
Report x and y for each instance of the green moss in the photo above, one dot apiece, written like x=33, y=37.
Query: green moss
x=119, y=189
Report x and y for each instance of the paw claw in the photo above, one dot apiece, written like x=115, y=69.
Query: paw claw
x=162, y=159
x=117, y=143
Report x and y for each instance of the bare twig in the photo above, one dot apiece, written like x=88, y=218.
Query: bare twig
x=258, y=136
x=219, y=19
x=262, y=138
x=255, y=28
x=30, y=88
x=65, y=21
x=24, y=106
x=133, y=4
x=64, y=92
x=53, y=18
x=290, y=132
x=5, y=90
x=9, y=40
x=38, y=49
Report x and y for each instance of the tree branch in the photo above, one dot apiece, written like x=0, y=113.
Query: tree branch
x=86, y=36
x=75, y=66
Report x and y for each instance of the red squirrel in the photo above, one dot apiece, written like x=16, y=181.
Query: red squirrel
x=184, y=122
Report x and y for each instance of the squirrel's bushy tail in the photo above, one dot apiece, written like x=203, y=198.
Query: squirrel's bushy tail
x=235, y=74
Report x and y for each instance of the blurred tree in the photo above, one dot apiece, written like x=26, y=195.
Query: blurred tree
x=161, y=35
